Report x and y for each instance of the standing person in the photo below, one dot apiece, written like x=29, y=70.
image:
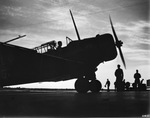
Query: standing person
x=137, y=77
x=119, y=77
x=107, y=84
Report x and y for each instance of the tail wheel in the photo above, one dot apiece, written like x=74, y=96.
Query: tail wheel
x=82, y=85
x=95, y=86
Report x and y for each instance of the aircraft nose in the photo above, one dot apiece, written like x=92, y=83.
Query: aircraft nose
x=107, y=47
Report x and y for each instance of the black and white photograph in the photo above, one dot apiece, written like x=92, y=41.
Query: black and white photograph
x=74, y=58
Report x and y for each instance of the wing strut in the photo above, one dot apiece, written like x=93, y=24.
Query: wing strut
x=75, y=26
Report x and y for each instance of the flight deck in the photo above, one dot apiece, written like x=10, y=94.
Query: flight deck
x=69, y=103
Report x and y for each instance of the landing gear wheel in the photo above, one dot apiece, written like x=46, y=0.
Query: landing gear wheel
x=82, y=85
x=95, y=86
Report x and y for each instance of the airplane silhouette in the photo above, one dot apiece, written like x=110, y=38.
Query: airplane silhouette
x=79, y=59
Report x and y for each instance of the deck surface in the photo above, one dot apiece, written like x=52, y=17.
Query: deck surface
x=68, y=103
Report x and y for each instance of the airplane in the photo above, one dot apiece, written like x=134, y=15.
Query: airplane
x=45, y=63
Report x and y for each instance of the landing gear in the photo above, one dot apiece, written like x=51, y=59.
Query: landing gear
x=82, y=85
x=95, y=86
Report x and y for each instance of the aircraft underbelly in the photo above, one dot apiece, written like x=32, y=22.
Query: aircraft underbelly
x=19, y=66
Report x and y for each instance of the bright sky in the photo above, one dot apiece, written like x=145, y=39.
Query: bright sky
x=46, y=20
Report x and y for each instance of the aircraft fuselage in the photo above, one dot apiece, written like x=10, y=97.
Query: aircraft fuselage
x=20, y=65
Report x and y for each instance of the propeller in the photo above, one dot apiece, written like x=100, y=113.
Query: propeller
x=118, y=43
x=75, y=26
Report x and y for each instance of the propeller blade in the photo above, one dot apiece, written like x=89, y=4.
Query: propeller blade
x=75, y=26
x=116, y=38
x=117, y=42
x=122, y=58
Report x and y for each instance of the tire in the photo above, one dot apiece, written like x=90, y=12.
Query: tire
x=95, y=86
x=82, y=85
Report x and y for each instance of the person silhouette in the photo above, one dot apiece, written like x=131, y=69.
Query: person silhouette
x=127, y=85
x=119, y=77
x=137, y=77
x=59, y=45
x=107, y=84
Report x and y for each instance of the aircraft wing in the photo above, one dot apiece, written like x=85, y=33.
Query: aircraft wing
x=20, y=65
